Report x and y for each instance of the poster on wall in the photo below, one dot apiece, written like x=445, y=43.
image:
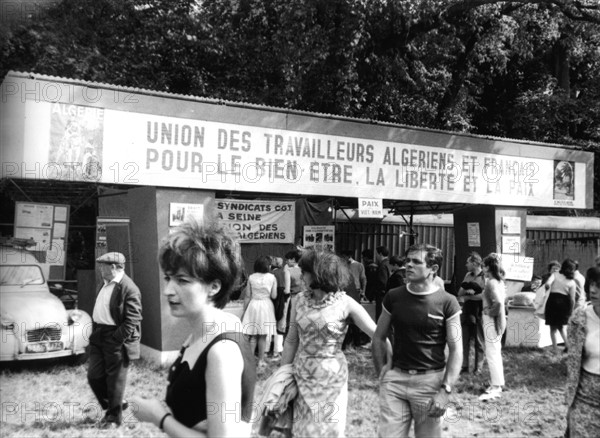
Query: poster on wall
x=259, y=221
x=47, y=225
x=511, y=225
x=319, y=237
x=76, y=140
x=179, y=212
x=564, y=180
x=473, y=234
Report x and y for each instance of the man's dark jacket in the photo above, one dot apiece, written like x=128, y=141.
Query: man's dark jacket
x=126, y=310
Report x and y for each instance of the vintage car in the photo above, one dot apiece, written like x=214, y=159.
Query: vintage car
x=35, y=323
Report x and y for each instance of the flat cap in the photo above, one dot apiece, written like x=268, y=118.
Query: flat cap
x=112, y=257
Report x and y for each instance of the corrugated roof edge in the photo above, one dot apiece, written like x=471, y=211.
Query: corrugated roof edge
x=190, y=97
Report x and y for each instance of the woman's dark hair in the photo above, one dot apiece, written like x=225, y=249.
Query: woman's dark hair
x=568, y=268
x=494, y=264
x=292, y=255
x=329, y=272
x=262, y=264
x=205, y=252
x=591, y=276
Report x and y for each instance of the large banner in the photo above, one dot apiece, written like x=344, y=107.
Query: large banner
x=73, y=142
x=259, y=221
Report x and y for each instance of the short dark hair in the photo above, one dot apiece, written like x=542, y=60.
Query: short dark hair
x=591, y=276
x=494, y=264
x=262, y=264
x=568, y=268
x=397, y=260
x=292, y=255
x=382, y=250
x=348, y=253
x=329, y=272
x=536, y=277
x=368, y=253
x=433, y=255
x=205, y=252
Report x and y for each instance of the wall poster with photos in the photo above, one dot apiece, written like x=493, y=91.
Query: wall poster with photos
x=319, y=237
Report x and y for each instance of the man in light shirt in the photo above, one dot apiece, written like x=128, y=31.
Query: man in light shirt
x=115, y=338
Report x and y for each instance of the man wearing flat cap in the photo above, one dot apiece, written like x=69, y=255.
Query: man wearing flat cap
x=115, y=338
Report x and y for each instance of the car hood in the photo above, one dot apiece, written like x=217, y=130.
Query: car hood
x=32, y=308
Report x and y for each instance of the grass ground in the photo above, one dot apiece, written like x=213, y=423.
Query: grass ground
x=53, y=399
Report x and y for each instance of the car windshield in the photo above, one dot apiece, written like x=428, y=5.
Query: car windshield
x=21, y=275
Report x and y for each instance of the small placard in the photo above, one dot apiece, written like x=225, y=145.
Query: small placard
x=370, y=207
x=511, y=244
x=517, y=267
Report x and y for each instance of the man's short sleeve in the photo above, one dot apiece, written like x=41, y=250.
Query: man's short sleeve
x=387, y=302
x=452, y=308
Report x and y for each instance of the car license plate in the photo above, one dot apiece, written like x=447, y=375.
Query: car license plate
x=36, y=348
x=54, y=346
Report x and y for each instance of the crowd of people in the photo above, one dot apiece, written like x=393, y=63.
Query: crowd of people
x=309, y=309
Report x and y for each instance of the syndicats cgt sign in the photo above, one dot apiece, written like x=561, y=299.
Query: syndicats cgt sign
x=259, y=221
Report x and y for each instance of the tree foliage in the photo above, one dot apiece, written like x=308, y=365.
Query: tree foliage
x=519, y=69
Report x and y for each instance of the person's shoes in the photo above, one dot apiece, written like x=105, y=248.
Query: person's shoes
x=491, y=393
x=464, y=370
x=109, y=422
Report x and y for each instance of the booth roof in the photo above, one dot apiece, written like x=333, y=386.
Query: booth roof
x=145, y=91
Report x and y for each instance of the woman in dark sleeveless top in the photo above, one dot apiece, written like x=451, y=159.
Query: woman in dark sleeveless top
x=211, y=384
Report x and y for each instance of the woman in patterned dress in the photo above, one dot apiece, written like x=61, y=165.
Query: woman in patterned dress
x=583, y=364
x=314, y=346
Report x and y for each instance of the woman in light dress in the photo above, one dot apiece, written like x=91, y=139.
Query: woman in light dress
x=259, y=315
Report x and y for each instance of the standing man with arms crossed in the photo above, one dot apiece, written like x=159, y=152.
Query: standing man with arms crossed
x=115, y=338
x=416, y=386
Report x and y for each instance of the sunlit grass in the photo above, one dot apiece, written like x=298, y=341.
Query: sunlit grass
x=52, y=399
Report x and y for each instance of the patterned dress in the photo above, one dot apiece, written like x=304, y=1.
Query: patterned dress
x=320, y=367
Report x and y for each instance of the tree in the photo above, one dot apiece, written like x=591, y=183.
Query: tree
x=521, y=69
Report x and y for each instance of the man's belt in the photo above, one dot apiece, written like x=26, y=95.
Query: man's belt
x=413, y=372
